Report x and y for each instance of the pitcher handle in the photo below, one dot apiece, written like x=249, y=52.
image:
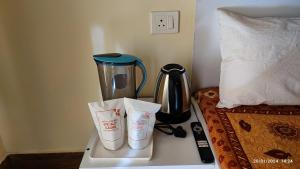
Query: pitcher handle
x=140, y=64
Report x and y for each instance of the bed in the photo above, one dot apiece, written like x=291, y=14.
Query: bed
x=259, y=136
x=251, y=136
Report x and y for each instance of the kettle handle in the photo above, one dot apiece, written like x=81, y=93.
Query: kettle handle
x=175, y=92
x=140, y=64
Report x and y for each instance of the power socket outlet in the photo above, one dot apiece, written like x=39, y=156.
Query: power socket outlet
x=164, y=22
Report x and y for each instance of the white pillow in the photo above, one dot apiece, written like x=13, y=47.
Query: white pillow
x=260, y=60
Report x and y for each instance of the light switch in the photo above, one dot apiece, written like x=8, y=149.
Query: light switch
x=164, y=22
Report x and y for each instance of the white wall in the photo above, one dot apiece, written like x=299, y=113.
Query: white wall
x=47, y=72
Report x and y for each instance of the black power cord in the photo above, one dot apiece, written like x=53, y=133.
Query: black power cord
x=170, y=130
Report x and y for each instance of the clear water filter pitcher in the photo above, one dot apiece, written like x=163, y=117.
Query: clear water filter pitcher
x=117, y=75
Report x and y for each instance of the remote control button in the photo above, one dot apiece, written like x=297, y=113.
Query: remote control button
x=198, y=129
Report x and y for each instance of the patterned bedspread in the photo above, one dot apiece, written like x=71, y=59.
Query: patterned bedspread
x=258, y=137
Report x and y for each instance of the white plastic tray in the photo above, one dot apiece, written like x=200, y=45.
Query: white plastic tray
x=99, y=153
x=168, y=152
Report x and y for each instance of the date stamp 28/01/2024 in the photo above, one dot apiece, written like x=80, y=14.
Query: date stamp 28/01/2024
x=272, y=161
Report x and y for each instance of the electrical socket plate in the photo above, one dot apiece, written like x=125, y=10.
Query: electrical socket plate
x=164, y=22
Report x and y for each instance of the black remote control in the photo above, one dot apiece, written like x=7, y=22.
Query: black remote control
x=205, y=152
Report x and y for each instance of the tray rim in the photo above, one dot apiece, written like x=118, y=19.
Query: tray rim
x=93, y=143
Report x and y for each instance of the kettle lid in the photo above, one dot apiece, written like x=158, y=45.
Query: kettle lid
x=115, y=58
x=172, y=67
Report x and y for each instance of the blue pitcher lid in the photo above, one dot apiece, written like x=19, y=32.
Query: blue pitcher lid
x=115, y=58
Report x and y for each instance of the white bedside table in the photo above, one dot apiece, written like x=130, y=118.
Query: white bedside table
x=169, y=152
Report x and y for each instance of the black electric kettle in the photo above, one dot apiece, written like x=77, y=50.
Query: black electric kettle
x=172, y=91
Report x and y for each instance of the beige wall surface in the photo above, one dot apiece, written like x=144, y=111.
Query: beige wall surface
x=2, y=151
x=4, y=65
x=47, y=72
